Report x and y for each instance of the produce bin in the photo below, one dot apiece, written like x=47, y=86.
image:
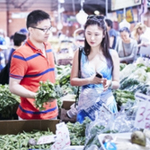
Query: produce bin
x=17, y=126
x=65, y=61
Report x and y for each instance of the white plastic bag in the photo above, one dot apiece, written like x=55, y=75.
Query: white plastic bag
x=62, y=137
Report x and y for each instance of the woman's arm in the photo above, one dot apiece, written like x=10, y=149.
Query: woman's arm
x=116, y=71
x=115, y=82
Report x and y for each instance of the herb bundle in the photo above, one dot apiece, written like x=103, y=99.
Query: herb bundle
x=47, y=92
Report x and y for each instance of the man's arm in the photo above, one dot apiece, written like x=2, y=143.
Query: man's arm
x=16, y=88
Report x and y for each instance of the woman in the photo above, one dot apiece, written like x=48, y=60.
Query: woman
x=137, y=32
x=95, y=58
x=126, y=47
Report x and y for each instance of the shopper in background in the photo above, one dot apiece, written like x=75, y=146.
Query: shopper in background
x=18, y=39
x=7, y=39
x=7, y=43
x=126, y=46
x=112, y=33
x=96, y=58
x=137, y=34
x=3, y=49
x=24, y=31
x=31, y=63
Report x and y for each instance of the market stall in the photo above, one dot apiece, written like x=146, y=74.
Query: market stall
x=118, y=128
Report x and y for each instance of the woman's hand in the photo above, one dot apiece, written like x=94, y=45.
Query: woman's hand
x=145, y=44
x=107, y=84
x=97, y=80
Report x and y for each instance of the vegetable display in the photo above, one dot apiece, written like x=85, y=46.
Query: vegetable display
x=77, y=132
x=133, y=78
x=21, y=140
x=122, y=97
x=8, y=103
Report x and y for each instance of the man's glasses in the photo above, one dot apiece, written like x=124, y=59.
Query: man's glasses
x=44, y=30
x=95, y=16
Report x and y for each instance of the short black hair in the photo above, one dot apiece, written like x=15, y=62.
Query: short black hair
x=126, y=29
x=35, y=17
x=19, y=38
x=109, y=23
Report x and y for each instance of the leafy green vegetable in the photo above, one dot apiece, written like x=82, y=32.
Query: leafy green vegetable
x=122, y=97
x=127, y=83
x=122, y=66
x=140, y=65
x=63, y=77
x=47, y=92
x=148, y=69
x=77, y=132
x=8, y=102
x=20, y=141
x=92, y=138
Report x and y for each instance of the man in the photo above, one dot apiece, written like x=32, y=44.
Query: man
x=112, y=33
x=31, y=63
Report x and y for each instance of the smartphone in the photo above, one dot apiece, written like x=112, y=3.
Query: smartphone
x=99, y=75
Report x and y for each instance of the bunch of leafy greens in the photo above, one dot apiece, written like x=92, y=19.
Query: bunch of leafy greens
x=8, y=102
x=47, y=92
x=77, y=131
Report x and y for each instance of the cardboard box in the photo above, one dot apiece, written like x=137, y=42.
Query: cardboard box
x=16, y=126
x=63, y=112
x=66, y=104
x=65, y=61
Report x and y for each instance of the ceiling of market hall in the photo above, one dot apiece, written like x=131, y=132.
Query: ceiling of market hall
x=89, y=6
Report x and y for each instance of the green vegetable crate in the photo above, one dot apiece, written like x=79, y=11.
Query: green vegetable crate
x=23, y=134
x=17, y=126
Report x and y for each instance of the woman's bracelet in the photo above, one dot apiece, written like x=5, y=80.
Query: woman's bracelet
x=110, y=85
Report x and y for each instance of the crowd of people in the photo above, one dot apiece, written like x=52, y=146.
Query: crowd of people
x=31, y=60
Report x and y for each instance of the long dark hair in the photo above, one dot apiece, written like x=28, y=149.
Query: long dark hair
x=105, y=42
